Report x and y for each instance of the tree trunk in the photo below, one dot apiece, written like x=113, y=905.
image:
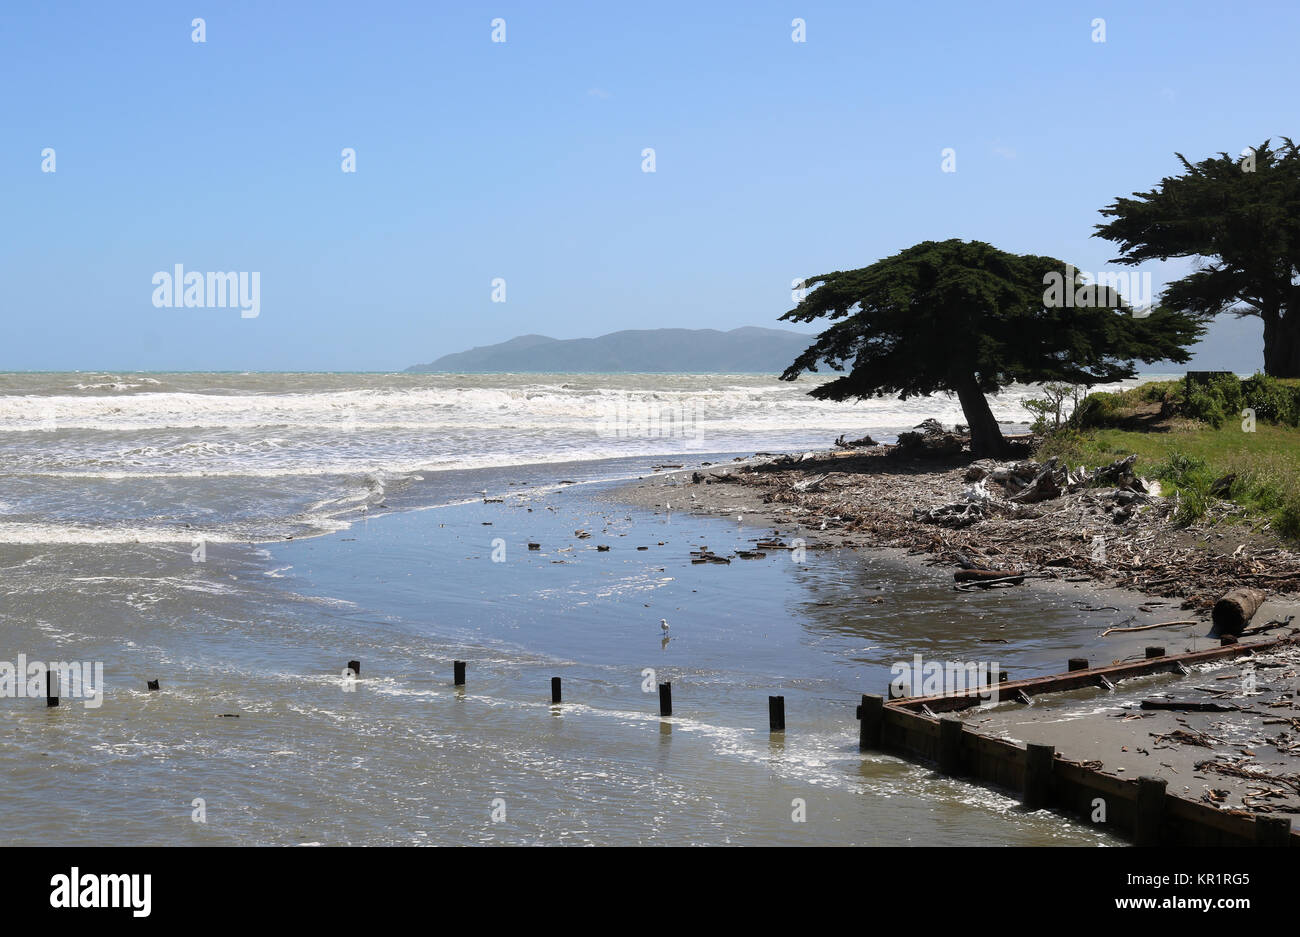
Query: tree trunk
x=985, y=435
x=1282, y=342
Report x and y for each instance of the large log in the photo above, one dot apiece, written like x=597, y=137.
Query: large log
x=975, y=575
x=1235, y=609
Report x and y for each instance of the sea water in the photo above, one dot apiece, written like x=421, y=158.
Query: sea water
x=240, y=537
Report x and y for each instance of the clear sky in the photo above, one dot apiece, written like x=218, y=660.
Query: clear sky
x=522, y=160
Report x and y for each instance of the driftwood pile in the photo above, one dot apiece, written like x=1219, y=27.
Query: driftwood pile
x=931, y=442
x=1022, y=483
x=1122, y=535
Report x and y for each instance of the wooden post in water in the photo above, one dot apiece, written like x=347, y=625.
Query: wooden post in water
x=1150, y=811
x=458, y=668
x=872, y=714
x=355, y=667
x=51, y=698
x=1153, y=652
x=950, y=730
x=1078, y=663
x=776, y=713
x=1038, y=774
x=665, y=699
x=1272, y=831
x=152, y=684
x=555, y=689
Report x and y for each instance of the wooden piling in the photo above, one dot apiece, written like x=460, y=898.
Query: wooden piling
x=776, y=713
x=1078, y=663
x=51, y=698
x=950, y=731
x=1038, y=775
x=1154, y=652
x=555, y=689
x=1272, y=831
x=355, y=667
x=1149, y=811
x=458, y=668
x=152, y=684
x=872, y=714
x=665, y=699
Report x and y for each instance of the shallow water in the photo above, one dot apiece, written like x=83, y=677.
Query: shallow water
x=404, y=757
x=407, y=584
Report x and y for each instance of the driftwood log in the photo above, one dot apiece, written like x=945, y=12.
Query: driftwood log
x=1235, y=609
x=1163, y=624
x=1190, y=706
x=975, y=575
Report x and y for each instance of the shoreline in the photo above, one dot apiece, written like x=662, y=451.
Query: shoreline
x=1258, y=736
x=658, y=493
x=861, y=499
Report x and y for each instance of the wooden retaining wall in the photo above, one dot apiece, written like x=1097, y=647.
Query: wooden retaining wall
x=1138, y=809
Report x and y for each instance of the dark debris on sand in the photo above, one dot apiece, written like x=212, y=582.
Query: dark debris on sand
x=923, y=496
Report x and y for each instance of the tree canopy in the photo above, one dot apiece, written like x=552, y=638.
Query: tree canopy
x=1242, y=216
x=965, y=317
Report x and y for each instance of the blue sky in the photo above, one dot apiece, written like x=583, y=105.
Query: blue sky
x=522, y=160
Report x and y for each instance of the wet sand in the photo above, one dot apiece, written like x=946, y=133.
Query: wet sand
x=1259, y=745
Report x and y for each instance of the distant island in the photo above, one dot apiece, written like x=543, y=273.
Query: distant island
x=748, y=350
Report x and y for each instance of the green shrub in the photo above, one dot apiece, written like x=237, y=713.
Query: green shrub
x=1098, y=409
x=1272, y=400
x=1192, y=505
x=1287, y=519
x=1161, y=392
x=1066, y=443
x=1214, y=401
x=1182, y=470
x=1191, y=478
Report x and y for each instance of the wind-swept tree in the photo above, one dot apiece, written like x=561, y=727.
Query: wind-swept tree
x=1242, y=216
x=967, y=318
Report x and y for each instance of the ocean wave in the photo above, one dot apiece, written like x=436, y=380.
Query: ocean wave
x=328, y=448
x=36, y=532
x=762, y=405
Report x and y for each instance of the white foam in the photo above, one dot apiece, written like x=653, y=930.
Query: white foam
x=85, y=533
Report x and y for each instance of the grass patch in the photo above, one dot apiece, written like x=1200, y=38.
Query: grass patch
x=1220, y=400
x=1189, y=459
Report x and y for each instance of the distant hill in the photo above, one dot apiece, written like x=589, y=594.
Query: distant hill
x=685, y=351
